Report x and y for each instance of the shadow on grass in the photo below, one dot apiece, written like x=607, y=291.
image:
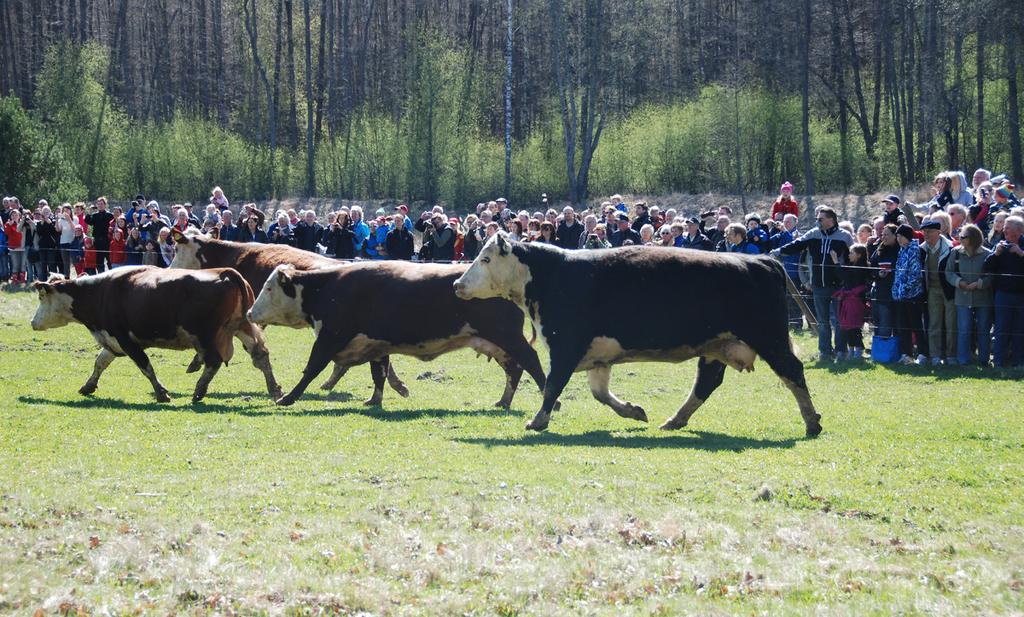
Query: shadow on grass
x=638, y=438
x=184, y=404
x=925, y=370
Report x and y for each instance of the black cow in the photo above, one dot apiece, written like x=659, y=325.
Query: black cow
x=363, y=312
x=598, y=308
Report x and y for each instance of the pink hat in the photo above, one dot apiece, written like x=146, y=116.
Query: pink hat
x=787, y=186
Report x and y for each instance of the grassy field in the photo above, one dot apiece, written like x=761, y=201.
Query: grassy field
x=910, y=502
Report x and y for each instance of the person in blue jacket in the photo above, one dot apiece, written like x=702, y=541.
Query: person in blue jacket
x=736, y=241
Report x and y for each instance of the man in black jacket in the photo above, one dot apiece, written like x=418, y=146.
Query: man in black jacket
x=1007, y=263
x=625, y=232
x=308, y=232
x=569, y=230
x=642, y=216
x=693, y=239
x=399, y=241
x=100, y=221
x=828, y=247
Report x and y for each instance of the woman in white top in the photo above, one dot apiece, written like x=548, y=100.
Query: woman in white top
x=66, y=229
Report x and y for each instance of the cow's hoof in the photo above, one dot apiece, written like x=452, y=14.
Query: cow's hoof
x=87, y=389
x=327, y=385
x=537, y=426
x=814, y=430
x=196, y=399
x=506, y=405
x=276, y=393
x=557, y=406
x=401, y=390
x=163, y=397
x=372, y=402
x=285, y=401
x=194, y=366
x=637, y=413
x=672, y=425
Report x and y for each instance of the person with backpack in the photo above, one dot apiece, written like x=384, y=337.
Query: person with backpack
x=965, y=271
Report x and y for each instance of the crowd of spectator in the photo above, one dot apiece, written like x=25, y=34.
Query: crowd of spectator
x=936, y=277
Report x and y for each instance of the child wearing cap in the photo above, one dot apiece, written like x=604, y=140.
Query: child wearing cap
x=785, y=204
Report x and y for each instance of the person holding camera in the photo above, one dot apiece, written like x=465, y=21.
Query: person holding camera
x=339, y=240
x=66, y=233
x=399, y=241
x=46, y=241
x=1007, y=264
x=281, y=231
x=439, y=240
x=14, y=229
x=99, y=220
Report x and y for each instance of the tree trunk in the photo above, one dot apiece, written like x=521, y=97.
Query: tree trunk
x=219, y=41
x=310, y=177
x=508, y=99
x=1012, y=45
x=979, y=152
x=805, y=81
x=250, y=26
x=293, y=113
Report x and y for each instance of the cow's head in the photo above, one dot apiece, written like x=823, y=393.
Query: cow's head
x=54, y=303
x=187, y=246
x=495, y=273
x=280, y=300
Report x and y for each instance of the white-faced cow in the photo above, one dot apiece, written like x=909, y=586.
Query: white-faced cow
x=595, y=309
x=130, y=309
x=255, y=262
x=366, y=311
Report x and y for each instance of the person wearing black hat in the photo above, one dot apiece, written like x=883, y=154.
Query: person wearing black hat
x=693, y=239
x=892, y=210
x=909, y=299
x=625, y=232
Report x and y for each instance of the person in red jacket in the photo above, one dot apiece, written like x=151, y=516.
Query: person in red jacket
x=89, y=262
x=15, y=231
x=785, y=204
x=118, y=256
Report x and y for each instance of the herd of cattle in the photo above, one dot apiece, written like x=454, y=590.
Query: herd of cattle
x=593, y=309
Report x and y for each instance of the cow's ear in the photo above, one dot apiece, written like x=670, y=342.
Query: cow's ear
x=503, y=245
x=178, y=237
x=283, y=278
x=43, y=288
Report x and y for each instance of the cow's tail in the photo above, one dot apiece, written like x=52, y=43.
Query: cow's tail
x=242, y=303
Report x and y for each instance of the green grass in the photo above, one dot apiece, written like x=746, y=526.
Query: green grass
x=909, y=502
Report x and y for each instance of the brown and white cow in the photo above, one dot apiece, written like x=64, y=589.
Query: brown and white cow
x=130, y=309
x=255, y=262
x=366, y=311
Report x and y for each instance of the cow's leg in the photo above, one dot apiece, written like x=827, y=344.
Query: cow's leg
x=138, y=355
x=379, y=372
x=195, y=364
x=319, y=357
x=395, y=381
x=562, y=366
x=103, y=360
x=255, y=345
x=213, y=364
x=789, y=368
x=336, y=375
x=513, y=374
x=709, y=376
x=599, y=378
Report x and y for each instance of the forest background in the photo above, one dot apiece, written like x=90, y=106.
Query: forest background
x=459, y=101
